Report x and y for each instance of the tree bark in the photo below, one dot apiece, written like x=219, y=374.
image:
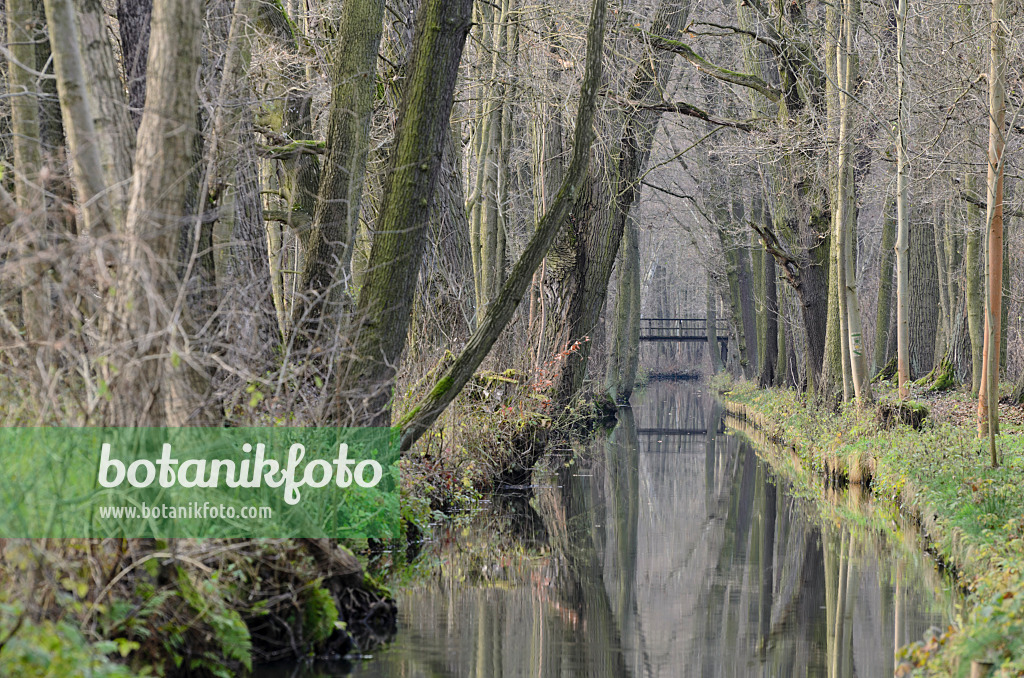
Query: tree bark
x=133, y=17
x=164, y=383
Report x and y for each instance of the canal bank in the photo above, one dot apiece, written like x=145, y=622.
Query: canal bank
x=971, y=515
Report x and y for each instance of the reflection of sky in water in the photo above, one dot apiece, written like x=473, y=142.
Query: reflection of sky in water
x=668, y=551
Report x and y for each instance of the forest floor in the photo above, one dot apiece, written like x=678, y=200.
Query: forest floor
x=971, y=514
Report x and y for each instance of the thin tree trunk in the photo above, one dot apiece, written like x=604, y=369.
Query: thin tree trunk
x=846, y=215
x=973, y=269
x=883, y=308
x=902, y=212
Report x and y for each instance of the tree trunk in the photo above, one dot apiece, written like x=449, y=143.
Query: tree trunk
x=883, y=308
x=83, y=142
x=902, y=213
x=328, y=255
x=923, y=301
x=624, y=356
x=386, y=298
x=768, y=342
x=973, y=269
x=600, y=240
x=846, y=215
x=36, y=310
x=164, y=383
x=239, y=238
x=114, y=131
x=712, y=325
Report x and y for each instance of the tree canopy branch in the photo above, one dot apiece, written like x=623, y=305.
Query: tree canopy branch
x=705, y=66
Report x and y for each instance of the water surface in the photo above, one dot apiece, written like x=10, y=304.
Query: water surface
x=664, y=549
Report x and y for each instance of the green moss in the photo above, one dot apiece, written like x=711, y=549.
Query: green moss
x=319, y=614
x=442, y=387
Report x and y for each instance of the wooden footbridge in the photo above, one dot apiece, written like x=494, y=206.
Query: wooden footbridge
x=685, y=330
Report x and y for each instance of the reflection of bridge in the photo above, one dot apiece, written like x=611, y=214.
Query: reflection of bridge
x=674, y=432
x=684, y=330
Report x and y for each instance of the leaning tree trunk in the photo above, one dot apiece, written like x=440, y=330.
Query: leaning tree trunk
x=501, y=309
x=386, y=299
x=600, y=237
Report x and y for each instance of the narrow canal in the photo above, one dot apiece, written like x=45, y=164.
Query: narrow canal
x=664, y=549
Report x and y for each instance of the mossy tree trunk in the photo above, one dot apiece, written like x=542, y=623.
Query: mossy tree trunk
x=328, y=251
x=973, y=273
x=384, y=309
x=625, y=353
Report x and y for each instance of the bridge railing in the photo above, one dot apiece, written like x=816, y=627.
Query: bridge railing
x=681, y=328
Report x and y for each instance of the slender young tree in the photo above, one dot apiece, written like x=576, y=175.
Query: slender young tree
x=902, y=211
x=988, y=396
x=845, y=214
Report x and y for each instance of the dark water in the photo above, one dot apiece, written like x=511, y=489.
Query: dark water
x=666, y=549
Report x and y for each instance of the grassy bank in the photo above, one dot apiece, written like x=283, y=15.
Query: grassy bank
x=972, y=515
